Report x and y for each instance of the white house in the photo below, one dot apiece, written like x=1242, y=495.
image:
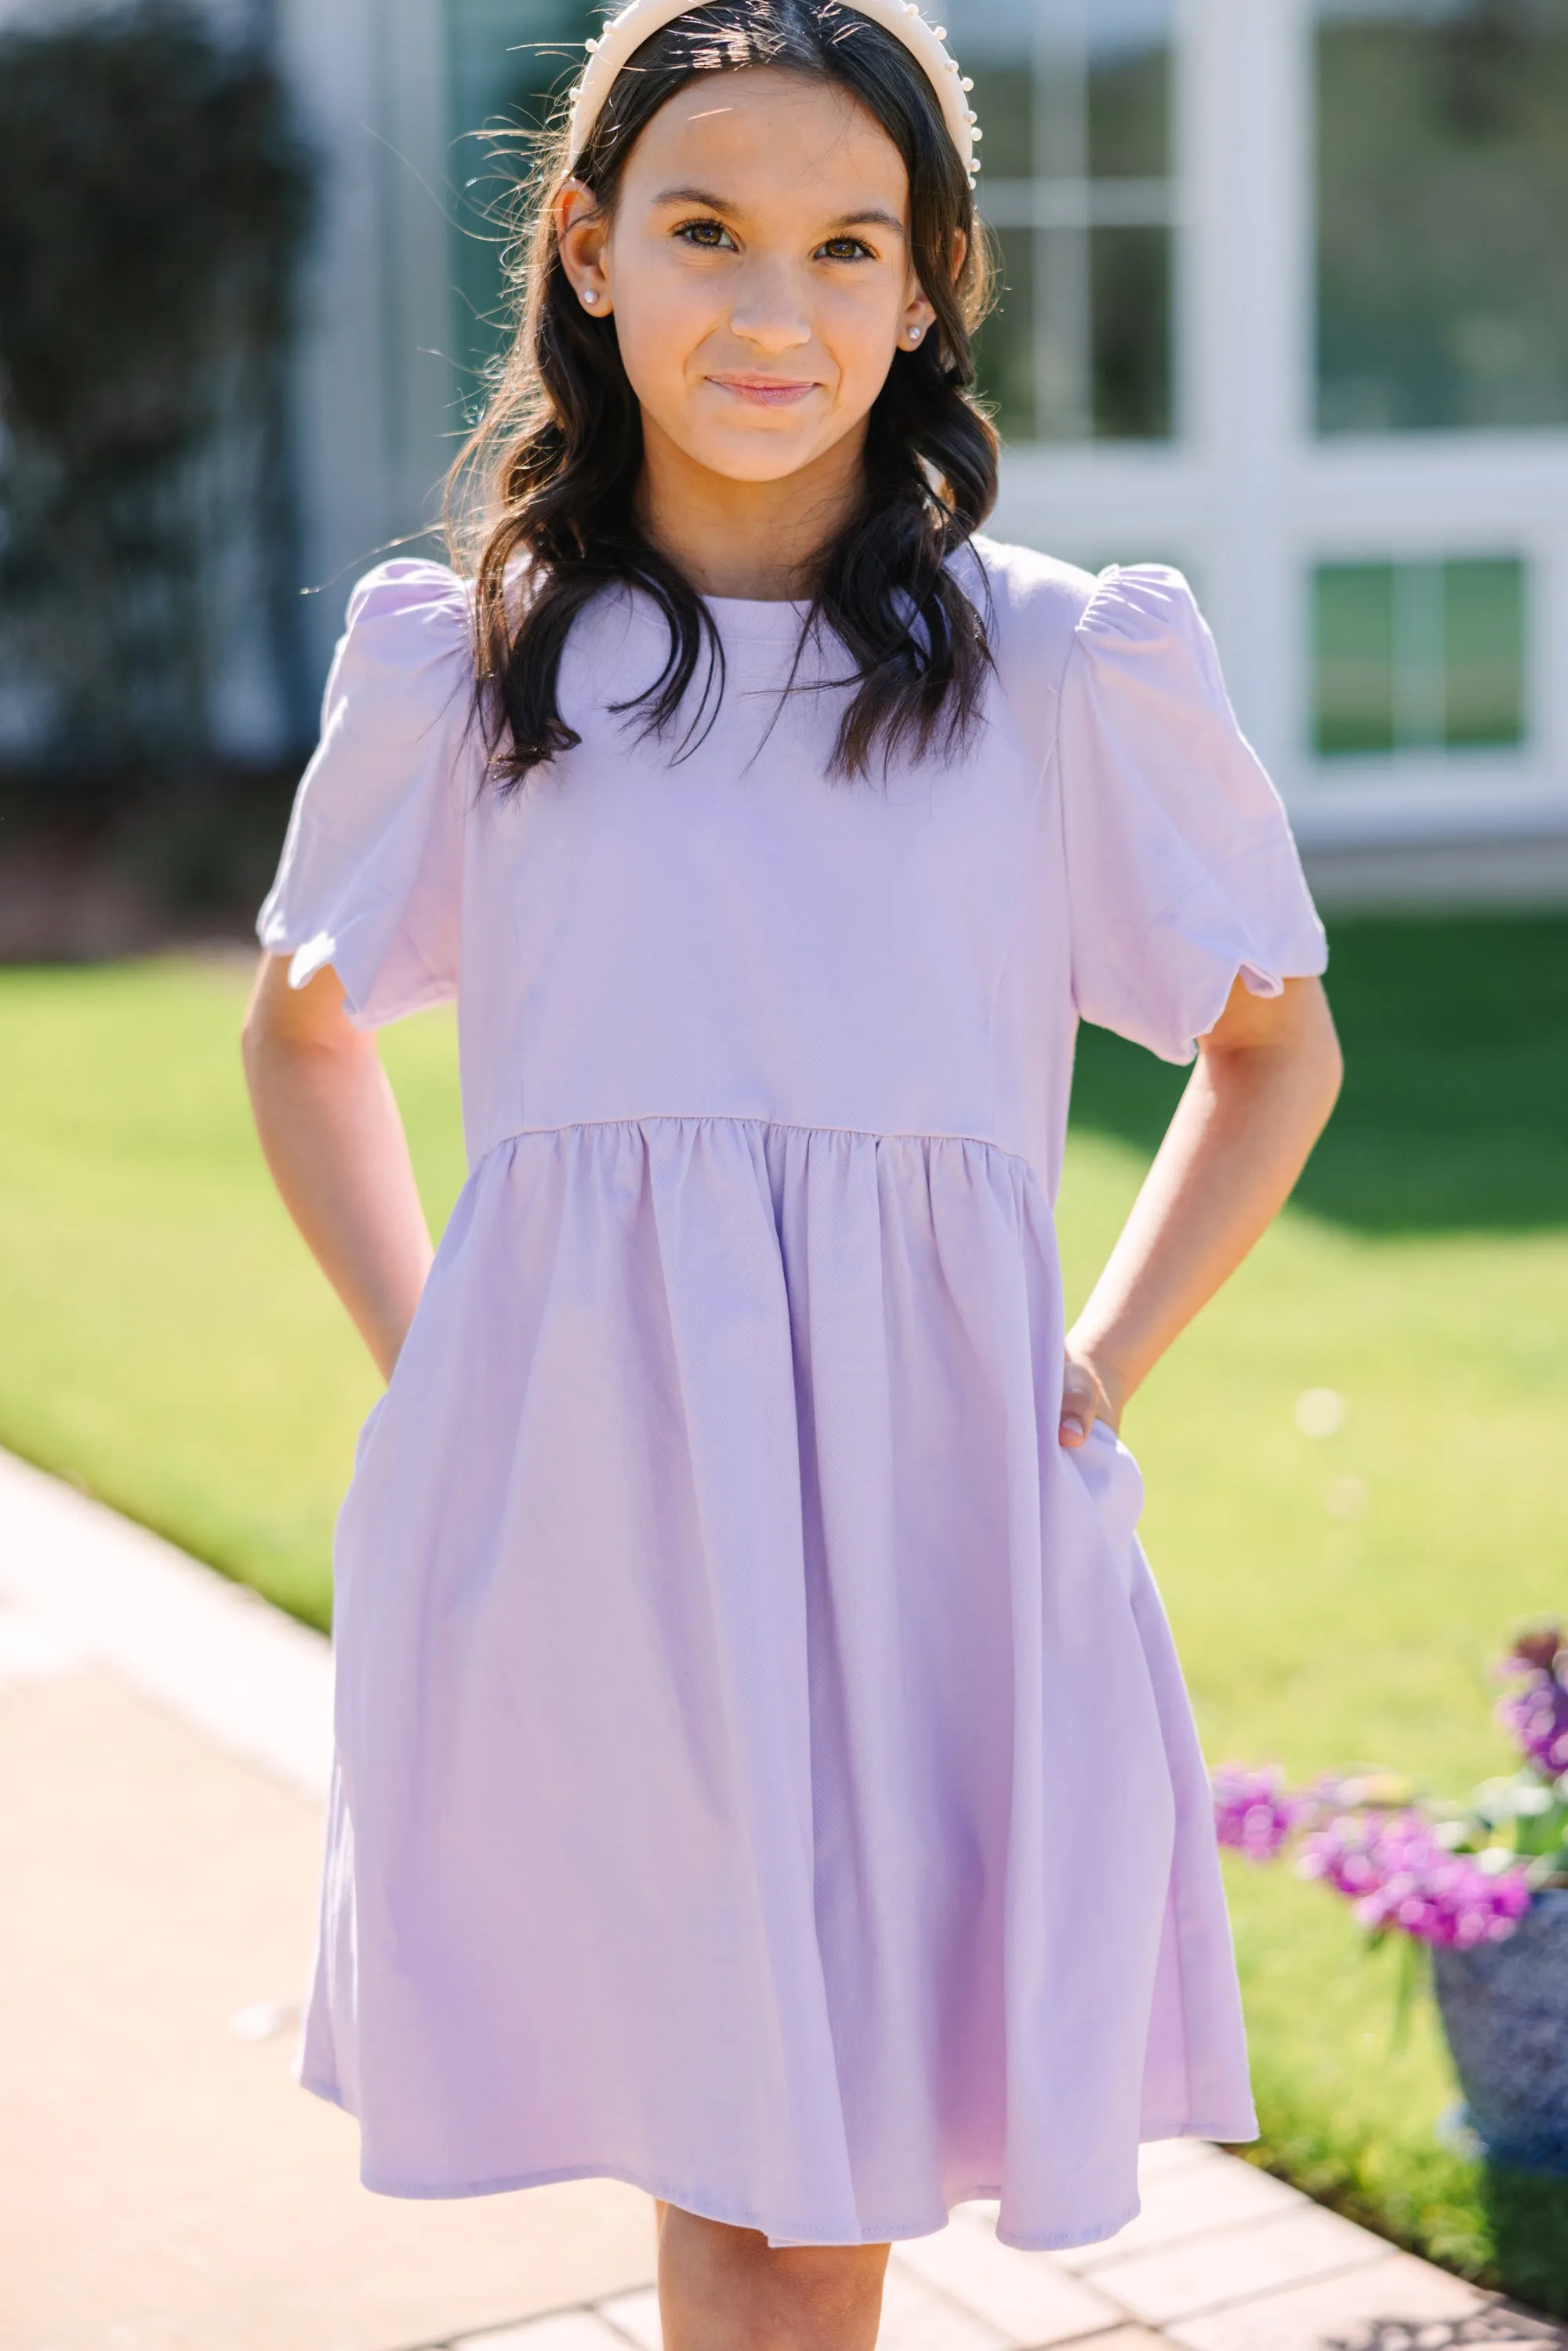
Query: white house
x=1286, y=303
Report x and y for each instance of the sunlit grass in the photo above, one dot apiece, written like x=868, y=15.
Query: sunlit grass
x=1339, y=1600
x=1318, y=1640
x=167, y=1342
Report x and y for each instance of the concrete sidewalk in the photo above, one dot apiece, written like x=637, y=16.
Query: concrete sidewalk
x=166, y=2186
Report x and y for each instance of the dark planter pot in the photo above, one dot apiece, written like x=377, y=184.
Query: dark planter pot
x=1505, y=2011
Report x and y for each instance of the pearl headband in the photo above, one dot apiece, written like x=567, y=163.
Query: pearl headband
x=640, y=21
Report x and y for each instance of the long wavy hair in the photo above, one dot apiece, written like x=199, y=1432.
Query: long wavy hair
x=545, y=489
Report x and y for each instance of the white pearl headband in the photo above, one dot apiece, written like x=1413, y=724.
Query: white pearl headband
x=639, y=22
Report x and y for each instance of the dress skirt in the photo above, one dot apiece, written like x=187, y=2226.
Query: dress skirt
x=764, y=1774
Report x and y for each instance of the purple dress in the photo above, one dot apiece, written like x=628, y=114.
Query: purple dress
x=763, y=1771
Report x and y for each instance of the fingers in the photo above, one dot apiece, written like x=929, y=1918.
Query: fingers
x=1080, y=1402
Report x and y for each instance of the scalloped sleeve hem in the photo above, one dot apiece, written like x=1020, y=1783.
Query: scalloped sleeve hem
x=1183, y=874
x=370, y=880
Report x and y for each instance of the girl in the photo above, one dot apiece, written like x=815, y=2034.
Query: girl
x=763, y=1773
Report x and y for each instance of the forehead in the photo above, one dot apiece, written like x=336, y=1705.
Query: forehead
x=769, y=139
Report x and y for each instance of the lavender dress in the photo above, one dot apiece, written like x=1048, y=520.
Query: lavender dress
x=763, y=1771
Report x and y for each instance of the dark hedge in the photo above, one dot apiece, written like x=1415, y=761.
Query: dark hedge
x=154, y=195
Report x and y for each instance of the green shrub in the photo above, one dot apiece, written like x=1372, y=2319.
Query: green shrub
x=153, y=197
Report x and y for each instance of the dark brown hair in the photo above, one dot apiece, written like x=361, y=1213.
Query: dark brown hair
x=549, y=478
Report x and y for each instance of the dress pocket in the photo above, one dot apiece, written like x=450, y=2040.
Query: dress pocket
x=1114, y=1481
x=343, y=1543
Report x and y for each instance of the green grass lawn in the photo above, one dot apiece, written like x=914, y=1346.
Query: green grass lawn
x=168, y=1344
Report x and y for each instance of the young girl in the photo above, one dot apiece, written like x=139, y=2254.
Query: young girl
x=763, y=1771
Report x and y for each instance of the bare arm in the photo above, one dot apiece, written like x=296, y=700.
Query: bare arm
x=1267, y=1077
x=334, y=1142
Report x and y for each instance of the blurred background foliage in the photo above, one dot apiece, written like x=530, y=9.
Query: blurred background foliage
x=155, y=194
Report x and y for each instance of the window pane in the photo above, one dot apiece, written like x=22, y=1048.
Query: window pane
x=1130, y=95
x=1004, y=349
x=1074, y=98
x=1131, y=305
x=498, y=78
x=1484, y=628
x=1442, y=191
x=1419, y=655
x=1003, y=101
x=993, y=41
x=1353, y=627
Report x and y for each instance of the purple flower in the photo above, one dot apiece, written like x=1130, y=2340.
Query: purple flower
x=1536, y=1717
x=1253, y=1810
x=1395, y=1874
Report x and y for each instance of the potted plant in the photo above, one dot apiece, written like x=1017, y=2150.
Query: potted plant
x=1482, y=1886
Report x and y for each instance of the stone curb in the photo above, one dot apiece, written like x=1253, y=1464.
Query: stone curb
x=253, y=1679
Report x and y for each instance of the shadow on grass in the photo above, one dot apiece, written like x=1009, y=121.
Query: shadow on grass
x=1455, y=1110
x=1506, y=2230
x=1527, y=2212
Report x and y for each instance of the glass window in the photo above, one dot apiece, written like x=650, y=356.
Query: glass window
x=1483, y=668
x=1130, y=329
x=1075, y=100
x=1409, y=656
x=1128, y=94
x=1442, y=163
x=506, y=60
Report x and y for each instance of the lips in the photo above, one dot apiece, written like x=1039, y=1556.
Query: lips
x=764, y=392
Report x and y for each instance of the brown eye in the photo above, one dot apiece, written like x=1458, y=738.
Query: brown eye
x=711, y=236
x=846, y=248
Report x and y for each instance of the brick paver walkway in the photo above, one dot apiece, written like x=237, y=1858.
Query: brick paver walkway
x=164, y=2186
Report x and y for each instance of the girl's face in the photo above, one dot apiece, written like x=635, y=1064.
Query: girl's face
x=757, y=269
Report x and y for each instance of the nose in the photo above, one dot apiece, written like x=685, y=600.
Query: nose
x=769, y=310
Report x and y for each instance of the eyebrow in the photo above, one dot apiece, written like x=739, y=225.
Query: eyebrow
x=872, y=216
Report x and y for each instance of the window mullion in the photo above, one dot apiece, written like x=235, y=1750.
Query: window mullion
x=1062, y=293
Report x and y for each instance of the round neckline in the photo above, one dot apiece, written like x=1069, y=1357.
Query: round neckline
x=758, y=615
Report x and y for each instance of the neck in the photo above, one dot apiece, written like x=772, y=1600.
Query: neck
x=758, y=541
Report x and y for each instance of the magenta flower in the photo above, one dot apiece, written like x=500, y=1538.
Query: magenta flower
x=1395, y=1874
x=1254, y=1812
x=1398, y=1856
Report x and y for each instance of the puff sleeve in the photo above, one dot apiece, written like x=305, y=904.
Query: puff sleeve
x=371, y=876
x=1182, y=871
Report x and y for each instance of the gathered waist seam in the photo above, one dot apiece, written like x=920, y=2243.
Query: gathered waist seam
x=756, y=1118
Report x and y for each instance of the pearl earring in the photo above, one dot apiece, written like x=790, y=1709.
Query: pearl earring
x=915, y=333
x=589, y=295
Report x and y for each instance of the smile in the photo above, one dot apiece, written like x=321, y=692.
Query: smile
x=768, y=392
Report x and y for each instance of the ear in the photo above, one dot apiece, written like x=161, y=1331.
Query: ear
x=915, y=319
x=582, y=239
